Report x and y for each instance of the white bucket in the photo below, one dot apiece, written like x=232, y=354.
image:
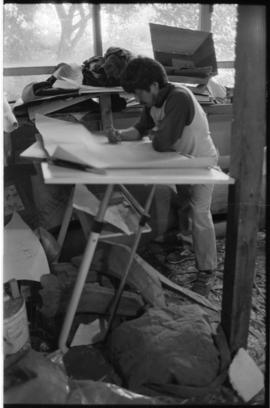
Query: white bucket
x=16, y=331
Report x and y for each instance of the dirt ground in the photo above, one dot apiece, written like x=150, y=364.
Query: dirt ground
x=183, y=274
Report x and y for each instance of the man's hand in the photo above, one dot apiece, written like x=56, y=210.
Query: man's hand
x=113, y=135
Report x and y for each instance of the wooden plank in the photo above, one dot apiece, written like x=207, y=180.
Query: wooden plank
x=205, y=17
x=218, y=109
x=25, y=71
x=139, y=278
x=188, y=79
x=189, y=294
x=225, y=64
x=147, y=280
x=98, y=299
x=248, y=139
x=94, y=299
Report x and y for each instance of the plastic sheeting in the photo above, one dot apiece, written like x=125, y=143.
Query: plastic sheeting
x=172, y=346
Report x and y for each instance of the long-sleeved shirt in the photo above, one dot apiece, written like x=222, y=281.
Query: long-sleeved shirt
x=177, y=122
x=178, y=113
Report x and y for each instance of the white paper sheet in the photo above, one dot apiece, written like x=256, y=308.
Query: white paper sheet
x=35, y=151
x=66, y=83
x=245, y=377
x=24, y=257
x=73, y=142
x=10, y=122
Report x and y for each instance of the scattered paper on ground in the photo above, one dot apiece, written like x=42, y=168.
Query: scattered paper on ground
x=24, y=257
x=245, y=377
x=87, y=334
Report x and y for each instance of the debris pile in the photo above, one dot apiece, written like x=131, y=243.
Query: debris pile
x=165, y=344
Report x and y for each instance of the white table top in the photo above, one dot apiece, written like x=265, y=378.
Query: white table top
x=60, y=175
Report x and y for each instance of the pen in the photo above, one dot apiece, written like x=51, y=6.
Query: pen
x=77, y=166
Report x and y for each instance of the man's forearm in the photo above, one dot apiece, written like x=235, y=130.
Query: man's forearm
x=117, y=135
x=129, y=134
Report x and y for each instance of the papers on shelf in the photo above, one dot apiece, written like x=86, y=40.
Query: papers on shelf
x=35, y=151
x=74, y=143
x=89, y=333
x=55, y=105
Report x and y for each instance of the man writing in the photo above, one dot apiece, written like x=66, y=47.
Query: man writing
x=175, y=121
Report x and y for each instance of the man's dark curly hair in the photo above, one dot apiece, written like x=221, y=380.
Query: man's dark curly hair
x=141, y=72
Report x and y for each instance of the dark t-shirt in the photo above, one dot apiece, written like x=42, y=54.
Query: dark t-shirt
x=179, y=112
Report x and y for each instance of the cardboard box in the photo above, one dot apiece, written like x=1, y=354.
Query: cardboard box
x=183, y=52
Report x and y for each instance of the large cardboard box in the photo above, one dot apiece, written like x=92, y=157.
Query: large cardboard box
x=183, y=52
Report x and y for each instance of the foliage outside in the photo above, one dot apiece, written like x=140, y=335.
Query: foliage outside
x=46, y=34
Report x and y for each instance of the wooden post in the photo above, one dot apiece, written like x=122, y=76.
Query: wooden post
x=247, y=142
x=97, y=30
x=205, y=17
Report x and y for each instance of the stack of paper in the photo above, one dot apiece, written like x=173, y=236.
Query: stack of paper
x=72, y=142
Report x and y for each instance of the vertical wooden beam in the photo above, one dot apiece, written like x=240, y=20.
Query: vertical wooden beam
x=247, y=142
x=106, y=111
x=97, y=29
x=205, y=17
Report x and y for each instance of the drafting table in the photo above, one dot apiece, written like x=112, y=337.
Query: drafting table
x=125, y=176
x=58, y=175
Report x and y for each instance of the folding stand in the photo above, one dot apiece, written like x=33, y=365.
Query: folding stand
x=84, y=267
x=89, y=254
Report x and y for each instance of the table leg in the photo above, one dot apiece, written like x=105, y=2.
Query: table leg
x=65, y=222
x=84, y=268
x=131, y=257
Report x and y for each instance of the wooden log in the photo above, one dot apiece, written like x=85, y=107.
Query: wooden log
x=94, y=299
x=201, y=300
x=98, y=299
x=143, y=280
x=248, y=140
x=147, y=280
